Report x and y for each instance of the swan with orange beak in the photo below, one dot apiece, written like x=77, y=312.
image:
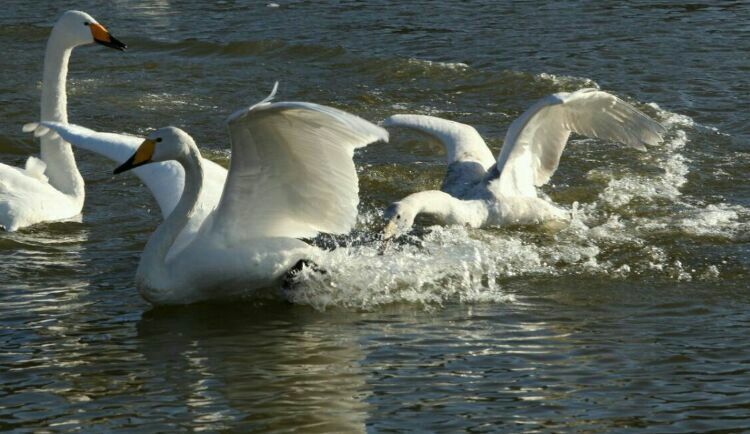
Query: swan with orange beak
x=102, y=36
x=51, y=188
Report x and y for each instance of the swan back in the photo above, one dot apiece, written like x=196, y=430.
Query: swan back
x=467, y=154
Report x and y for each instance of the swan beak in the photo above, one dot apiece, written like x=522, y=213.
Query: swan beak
x=102, y=36
x=390, y=230
x=142, y=156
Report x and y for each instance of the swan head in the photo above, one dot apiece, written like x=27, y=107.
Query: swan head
x=79, y=28
x=164, y=144
x=399, y=218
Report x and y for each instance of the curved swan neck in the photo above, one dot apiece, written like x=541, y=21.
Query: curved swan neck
x=61, y=166
x=433, y=202
x=54, y=100
x=447, y=208
x=153, y=260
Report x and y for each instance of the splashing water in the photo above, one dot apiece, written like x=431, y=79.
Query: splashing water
x=611, y=236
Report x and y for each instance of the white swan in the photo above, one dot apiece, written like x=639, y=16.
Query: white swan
x=480, y=191
x=165, y=180
x=51, y=188
x=291, y=176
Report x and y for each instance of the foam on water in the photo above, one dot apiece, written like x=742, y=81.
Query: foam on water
x=689, y=215
x=621, y=191
x=566, y=81
x=456, y=66
x=158, y=101
x=612, y=236
x=449, y=263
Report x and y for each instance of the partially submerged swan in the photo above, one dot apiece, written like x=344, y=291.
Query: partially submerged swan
x=291, y=176
x=51, y=188
x=480, y=191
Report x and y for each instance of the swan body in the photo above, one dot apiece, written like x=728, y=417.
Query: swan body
x=51, y=188
x=291, y=176
x=479, y=190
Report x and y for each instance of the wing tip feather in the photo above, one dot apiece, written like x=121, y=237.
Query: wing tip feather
x=41, y=130
x=239, y=114
x=29, y=127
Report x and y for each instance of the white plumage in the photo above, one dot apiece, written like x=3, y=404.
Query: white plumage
x=165, y=180
x=477, y=194
x=292, y=165
x=291, y=176
x=51, y=188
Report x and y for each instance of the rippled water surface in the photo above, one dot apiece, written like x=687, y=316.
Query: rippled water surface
x=633, y=317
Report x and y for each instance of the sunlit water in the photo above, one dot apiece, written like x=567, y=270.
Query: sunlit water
x=634, y=316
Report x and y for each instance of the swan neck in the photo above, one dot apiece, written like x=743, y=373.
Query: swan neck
x=435, y=203
x=57, y=154
x=153, y=262
x=54, y=100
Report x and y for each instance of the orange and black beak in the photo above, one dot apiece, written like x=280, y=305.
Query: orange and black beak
x=102, y=36
x=142, y=156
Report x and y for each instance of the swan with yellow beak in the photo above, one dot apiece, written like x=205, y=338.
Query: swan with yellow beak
x=51, y=188
x=291, y=176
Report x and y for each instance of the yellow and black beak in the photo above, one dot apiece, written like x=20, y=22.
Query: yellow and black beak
x=142, y=156
x=102, y=36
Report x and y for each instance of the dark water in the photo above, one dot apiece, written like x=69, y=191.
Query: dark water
x=633, y=318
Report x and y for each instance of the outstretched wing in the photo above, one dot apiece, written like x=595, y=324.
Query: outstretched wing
x=535, y=141
x=468, y=156
x=462, y=142
x=164, y=180
x=291, y=173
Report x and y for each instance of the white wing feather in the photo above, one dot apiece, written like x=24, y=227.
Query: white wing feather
x=35, y=168
x=292, y=173
x=165, y=180
x=461, y=142
x=535, y=141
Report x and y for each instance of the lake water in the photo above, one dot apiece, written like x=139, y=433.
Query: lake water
x=635, y=317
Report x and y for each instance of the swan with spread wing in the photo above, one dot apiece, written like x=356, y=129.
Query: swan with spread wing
x=165, y=180
x=291, y=176
x=479, y=190
x=51, y=188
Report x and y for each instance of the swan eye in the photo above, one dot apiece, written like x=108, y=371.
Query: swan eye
x=158, y=140
x=85, y=23
x=398, y=217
